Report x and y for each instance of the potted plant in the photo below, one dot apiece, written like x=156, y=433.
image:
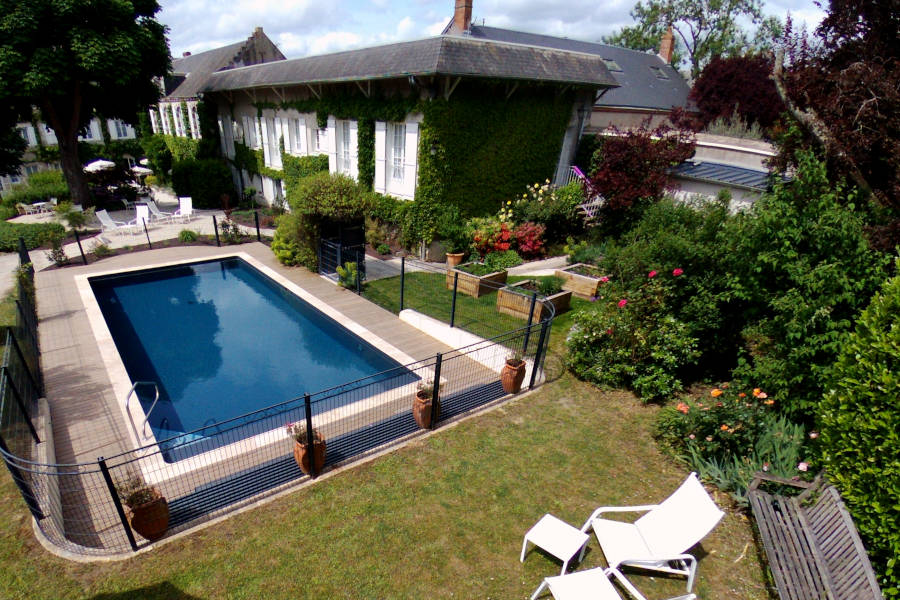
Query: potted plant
x=147, y=509
x=513, y=374
x=304, y=451
x=452, y=233
x=422, y=405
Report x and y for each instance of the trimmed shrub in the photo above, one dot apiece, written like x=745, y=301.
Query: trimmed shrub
x=299, y=167
x=206, y=180
x=500, y=261
x=860, y=430
x=186, y=236
x=39, y=187
x=34, y=234
x=158, y=155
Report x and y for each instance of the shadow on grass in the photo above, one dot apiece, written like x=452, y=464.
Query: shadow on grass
x=163, y=591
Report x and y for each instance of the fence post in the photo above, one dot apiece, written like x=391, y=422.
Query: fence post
x=216, y=229
x=80, y=249
x=23, y=486
x=21, y=404
x=256, y=218
x=539, y=355
x=453, y=301
x=118, y=503
x=435, y=390
x=530, y=323
x=309, y=435
x=402, y=279
x=358, y=269
x=338, y=255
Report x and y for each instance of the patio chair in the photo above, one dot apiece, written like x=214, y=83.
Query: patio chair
x=155, y=213
x=592, y=584
x=108, y=225
x=185, y=210
x=659, y=540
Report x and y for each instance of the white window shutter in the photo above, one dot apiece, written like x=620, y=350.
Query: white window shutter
x=275, y=146
x=301, y=137
x=410, y=159
x=257, y=137
x=354, y=154
x=111, y=128
x=332, y=145
x=380, y=156
x=264, y=130
x=286, y=137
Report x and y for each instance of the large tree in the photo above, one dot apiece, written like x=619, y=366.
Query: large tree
x=70, y=59
x=844, y=89
x=703, y=28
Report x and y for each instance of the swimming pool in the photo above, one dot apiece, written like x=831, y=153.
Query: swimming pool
x=221, y=339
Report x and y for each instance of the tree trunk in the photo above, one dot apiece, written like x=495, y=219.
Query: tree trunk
x=72, y=170
x=65, y=119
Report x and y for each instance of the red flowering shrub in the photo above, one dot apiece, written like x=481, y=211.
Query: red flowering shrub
x=489, y=234
x=530, y=239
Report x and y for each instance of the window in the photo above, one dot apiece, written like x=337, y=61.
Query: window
x=250, y=132
x=121, y=129
x=88, y=133
x=398, y=147
x=297, y=128
x=15, y=179
x=29, y=169
x=179, y=121
x=611, y=65
x=322, y=140
x=195, y=121
x=154, y=121
x=660, y=74
x=344, y=154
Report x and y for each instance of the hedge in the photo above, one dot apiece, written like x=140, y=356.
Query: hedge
x=34, y=234
x=206, y=181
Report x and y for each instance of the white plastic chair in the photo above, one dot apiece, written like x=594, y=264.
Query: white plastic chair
x=592, y=584
x=107, y=224
x=658, y=540
x=185, y=209
x=155, y=213
x=142, y=217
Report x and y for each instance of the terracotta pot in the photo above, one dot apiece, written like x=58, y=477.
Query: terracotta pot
x=512, y=375
x=302, y=454
x=454, y=258
x=422, y=412
x=151, y=519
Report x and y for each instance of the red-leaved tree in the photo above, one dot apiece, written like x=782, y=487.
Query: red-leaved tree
x=737, y=85
x=632, y=165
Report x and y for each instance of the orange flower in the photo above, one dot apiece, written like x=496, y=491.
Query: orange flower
x=769, y=402
x=762, y=395
x=742, y=395
x=682, y=407
x=756, y=392
x=716, y=393
x=724, y=427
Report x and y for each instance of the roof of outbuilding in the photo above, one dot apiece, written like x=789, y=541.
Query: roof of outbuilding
x=444, y=55
x=712, y=172
x=639, y=85
x=208, y=61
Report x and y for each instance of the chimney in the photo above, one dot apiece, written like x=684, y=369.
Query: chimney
x=257, y=31
x=462, y=17
x=667, y=45
x=183, y=54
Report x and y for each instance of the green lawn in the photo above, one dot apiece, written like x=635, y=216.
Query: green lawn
x=442, y=517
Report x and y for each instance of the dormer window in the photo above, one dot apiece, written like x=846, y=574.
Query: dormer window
x=611, y=65
x=660, y=74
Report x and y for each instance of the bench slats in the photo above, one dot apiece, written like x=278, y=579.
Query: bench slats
x=813, y=547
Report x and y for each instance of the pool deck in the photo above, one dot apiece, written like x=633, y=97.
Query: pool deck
x=87, y=418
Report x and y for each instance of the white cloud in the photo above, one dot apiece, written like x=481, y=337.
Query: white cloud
x=334, y=42
x=437, y=27
x=405, y=27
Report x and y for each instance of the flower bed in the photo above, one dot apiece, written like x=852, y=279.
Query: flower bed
x=473, y=281
x=515, y=300
x=581, y=279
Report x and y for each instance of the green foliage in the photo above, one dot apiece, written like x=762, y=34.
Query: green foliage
x=860, y=430
x=295, y=240
x=697, y=240
x=805, y=270
x=633, y=342
x=76, y=219
x=246, y=159
x=347, y=275
x=34, y=234
x=230, y=231
x=486, y=147
x=39, y=187
x=729, y=435
x=383, y=249
x=57, y=254
x=583, y=252
x=206, y=180
x=181, y=148
x=365, y=141
x=452, y=230
x=158, y=155
x=550, y=285
x=209, y=142
x=300, y=167
x=101, y=250
x=503, y=260
x=187, y=236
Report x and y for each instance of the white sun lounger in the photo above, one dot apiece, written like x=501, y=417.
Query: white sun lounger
x=592, y=584
x=108, y=225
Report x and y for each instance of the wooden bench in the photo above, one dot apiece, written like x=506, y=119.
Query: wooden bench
x=812, y=545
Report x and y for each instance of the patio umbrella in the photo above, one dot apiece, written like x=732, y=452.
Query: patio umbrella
x=99, y=165
x=139, y=170
x=145, y=162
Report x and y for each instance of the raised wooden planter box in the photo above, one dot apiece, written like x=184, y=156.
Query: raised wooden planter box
x=515, y=300
x=583, y=286
x=476, y=285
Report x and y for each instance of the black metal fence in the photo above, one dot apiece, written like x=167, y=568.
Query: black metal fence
x=215, y=469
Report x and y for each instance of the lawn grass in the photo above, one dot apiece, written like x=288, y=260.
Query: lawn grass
x=440, y=518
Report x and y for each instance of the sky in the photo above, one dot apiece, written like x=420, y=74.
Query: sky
x=309, y=27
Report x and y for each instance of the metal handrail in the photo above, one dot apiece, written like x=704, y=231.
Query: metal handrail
x=152, y=406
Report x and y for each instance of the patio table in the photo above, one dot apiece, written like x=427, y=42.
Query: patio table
x=557, y=538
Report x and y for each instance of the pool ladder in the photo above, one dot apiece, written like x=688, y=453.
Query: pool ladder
x=132, y=392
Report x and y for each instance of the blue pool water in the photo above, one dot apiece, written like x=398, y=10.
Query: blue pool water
x=222, y=340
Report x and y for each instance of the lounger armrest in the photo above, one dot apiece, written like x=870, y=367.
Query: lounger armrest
x=608, y=509
x=636, y=593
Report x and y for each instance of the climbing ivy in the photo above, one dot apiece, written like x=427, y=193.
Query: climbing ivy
x=365, y=144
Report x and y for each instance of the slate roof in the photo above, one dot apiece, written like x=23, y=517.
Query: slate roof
x=444, y=55
x=189, y=73
x=711, y=172
x=639, y=85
